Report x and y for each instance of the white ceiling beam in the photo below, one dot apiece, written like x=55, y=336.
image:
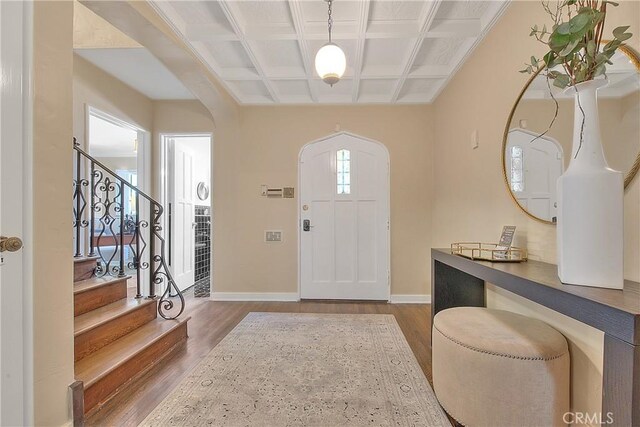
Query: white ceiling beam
x=426, y=19
x=430, y=71
x=174, y=20
x=208, y=33
x=239, y=73
x=298, y=24
x=270, y=32
x=455, y=28
x=316, y=30
x=310, y=32
x=358, y=61
x=231, y=15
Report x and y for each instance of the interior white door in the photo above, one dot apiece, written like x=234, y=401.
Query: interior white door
x=344, y=219
x=14, y=331
x=181, y=197
x=542, y=165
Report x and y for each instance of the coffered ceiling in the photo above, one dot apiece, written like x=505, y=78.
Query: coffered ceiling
x=397, y=51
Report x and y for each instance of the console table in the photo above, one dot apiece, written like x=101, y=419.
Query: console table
x=458, y=281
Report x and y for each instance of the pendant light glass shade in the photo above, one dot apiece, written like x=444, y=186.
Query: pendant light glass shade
x=330, y=63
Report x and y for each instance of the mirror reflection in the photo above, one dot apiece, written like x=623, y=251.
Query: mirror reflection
x=538, y=146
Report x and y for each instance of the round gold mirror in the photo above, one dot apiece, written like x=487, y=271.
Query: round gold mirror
x=537, y=142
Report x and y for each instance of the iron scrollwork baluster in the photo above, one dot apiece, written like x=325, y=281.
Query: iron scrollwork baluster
x=108, y=214
x=80, y=204
x=122, y=233
x=161, y=274
x=92, y=220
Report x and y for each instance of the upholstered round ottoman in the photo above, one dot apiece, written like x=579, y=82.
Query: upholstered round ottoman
x=497, y=368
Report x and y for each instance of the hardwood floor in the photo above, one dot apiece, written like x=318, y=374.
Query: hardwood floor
x=212, y=320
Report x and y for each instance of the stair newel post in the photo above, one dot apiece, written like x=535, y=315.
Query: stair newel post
x=92, y=226
x=138, y=259
x=78, y=197
x=121, y=270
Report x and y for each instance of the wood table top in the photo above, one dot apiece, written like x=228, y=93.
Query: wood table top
x=539, y=282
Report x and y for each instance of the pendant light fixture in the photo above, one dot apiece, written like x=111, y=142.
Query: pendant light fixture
x=330, y=59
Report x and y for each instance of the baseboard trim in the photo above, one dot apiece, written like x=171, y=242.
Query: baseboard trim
x=292, y=296
x=410, y=299
x=250, y=296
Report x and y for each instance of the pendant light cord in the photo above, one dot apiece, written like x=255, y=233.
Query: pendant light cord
x=330, y=20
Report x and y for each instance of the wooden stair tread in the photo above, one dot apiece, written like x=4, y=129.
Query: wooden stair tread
x=96, y=282
x=99, y=364
x=86, y=258
x=94, y=318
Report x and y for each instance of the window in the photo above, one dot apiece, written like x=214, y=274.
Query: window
x=343, y=167
x=517, y=169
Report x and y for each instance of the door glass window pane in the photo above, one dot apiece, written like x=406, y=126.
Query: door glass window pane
x=343, y=169
x=517, y=169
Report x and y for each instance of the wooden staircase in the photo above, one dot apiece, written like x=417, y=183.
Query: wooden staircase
x=117, y=337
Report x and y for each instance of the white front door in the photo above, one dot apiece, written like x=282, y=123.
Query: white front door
x=540, y=160
x=15, y=332
x=181, y=199
x=344, y=219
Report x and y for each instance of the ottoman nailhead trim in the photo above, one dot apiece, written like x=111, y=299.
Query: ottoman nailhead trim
x=510, y=356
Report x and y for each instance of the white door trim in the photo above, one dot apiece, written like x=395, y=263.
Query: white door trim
x=162, y=179
x=16, y=35
x=144, y=146
x=299, y=216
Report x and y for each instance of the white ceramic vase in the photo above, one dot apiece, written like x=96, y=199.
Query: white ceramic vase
x=590, y=203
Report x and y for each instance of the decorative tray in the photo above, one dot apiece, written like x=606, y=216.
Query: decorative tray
x=488, y=252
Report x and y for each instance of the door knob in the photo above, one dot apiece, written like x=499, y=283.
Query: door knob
x=10, y=244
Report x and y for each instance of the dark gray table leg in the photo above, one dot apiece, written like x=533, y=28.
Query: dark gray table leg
x=621, y=383
x=451, y=287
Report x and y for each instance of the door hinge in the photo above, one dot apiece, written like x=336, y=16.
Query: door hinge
x=388, y=278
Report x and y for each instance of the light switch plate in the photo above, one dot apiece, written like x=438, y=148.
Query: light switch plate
x=475, y=140
x=271, y=236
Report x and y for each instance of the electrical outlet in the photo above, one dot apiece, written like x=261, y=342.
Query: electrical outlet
x=273, y=236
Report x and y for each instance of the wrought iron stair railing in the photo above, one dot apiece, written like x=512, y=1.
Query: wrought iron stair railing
x=120, y=239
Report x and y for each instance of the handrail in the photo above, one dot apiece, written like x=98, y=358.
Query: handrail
x=107, y=201
x=76, y=146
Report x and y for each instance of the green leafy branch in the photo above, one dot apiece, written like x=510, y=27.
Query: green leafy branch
x=574, y=42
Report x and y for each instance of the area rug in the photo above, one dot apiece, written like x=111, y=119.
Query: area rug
x=294, y=369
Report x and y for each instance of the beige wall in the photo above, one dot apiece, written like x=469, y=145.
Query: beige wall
x=52, y=237
x=121, y=163
x=176, y=117
x=92, y=87
x=267, y=153
x=471, y=200
x=95, y=88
